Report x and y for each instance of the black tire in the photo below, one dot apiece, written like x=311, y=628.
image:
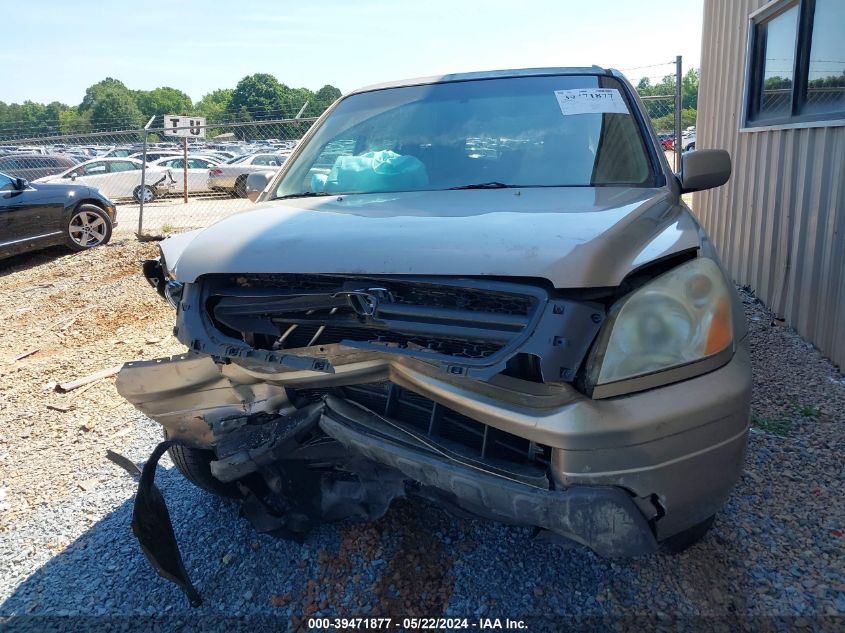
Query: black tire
x=240, y=187
x=152, y=194
x=87, y=227
x=194, y=464
x=691, y=147
x=684, y=540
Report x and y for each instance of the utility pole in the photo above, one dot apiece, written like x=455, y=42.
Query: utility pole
x=143, y=177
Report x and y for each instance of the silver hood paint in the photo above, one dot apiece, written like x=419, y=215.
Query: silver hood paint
x=575, y=237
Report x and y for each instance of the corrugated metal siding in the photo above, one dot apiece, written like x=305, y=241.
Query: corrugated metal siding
x=779, y=224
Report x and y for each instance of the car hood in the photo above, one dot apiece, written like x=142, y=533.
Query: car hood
x=575, y=237
x=61, y=188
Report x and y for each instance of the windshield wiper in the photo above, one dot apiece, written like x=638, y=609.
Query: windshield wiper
x=485, y=185
x=305, y=194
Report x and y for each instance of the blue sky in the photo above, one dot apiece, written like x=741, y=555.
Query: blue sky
x=53, y=50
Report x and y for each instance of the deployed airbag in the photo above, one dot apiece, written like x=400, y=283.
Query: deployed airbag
x=382, y=170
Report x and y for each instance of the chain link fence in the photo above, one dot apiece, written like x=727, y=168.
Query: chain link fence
x=193, y=182
x=660, y=89
x=163, y=183
x=160, y=183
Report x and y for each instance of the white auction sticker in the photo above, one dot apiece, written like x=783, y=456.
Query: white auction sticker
x=591, y=101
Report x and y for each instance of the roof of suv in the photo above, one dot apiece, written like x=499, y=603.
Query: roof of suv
x=488, y=74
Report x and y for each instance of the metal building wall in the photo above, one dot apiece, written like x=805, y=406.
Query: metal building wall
x=779, y=224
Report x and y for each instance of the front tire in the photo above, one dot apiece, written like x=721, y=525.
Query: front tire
x=149, y=194
x=88, y=226
x=195, y=466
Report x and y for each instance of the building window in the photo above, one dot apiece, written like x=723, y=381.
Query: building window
x=796, y=63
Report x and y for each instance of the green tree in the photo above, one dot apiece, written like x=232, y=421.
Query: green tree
x=115, y=109
x=689, y=89
x=215, y=104
x=644, y=87
x=666, y=123
x=295, y=98
x=258, y=96
x=94, y=93
x=323, y=98
x=163, y=101
x=72, y=121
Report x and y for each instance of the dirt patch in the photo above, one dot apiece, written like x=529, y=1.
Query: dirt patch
x=70, y=314
x=387, y=567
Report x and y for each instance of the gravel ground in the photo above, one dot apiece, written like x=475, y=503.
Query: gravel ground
x=172, y=213
x=67, y=549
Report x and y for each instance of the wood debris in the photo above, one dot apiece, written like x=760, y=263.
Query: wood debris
x=64, y=387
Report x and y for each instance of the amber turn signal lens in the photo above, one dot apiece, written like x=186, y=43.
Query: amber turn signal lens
x=721, y=329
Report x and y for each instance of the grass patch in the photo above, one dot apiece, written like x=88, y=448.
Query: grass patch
x=167, y=229
x=774, y=426
x=807, y=410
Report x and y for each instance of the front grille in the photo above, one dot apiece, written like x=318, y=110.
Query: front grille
x=450, y=296
x=443, y=425
x=464, y=320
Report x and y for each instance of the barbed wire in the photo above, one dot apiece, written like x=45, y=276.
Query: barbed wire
x=115, y=123
x=649, y=66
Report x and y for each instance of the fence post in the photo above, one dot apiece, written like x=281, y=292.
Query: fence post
x=678, y=106
x=143, y=176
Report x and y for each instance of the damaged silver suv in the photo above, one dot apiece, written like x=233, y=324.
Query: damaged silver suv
x=482, y=289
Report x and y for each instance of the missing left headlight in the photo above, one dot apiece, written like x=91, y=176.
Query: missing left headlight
x=155, y=274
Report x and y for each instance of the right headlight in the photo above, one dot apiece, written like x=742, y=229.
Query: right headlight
x=676, y=319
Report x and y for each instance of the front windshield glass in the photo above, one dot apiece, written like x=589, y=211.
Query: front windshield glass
x=574, y=130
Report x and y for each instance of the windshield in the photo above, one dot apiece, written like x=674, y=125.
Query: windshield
x=574, y=130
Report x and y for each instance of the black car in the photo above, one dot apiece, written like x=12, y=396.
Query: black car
x=32, y=166
x=38, y=215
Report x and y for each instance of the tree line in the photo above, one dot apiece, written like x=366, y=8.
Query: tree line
x=110, y=105
x=662, y=112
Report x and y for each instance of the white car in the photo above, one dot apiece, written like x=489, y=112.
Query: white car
x=198, y=167
x=118, y=178
x=231, y=175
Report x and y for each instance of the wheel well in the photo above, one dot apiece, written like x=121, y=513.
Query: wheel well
x=93, y=201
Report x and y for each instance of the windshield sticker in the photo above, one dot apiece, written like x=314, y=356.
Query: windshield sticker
x=591, y=101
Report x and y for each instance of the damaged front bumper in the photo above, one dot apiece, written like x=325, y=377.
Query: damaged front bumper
x=617, y=475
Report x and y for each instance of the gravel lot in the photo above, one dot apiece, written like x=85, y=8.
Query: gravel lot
x=174, y=214
x=67, y=549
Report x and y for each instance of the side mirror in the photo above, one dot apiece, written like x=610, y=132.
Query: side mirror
x=257, y=182
x=73, y=176
x=704, y=169
x=21, y=184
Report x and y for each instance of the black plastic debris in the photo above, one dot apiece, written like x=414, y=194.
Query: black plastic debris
x=154, y=531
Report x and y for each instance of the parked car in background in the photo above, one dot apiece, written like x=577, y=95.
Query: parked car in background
x=33, y=166
x=222, y=156
x=541, y=335
x=667, y=141
x=38, y=215
x=154, y=154
x=30, y=149
x=119, y=152
x=118, y=178
x=231, y=176
x=198, y=167
x=688, y=141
